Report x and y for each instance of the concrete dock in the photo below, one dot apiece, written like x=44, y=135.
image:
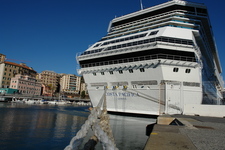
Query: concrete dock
x=178, y=132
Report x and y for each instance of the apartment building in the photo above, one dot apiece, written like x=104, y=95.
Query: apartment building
x=8, y=70
x=26, y=85
x=70, y=84
x=50, y=81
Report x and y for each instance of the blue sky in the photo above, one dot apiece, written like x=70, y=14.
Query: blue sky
x=47, y=34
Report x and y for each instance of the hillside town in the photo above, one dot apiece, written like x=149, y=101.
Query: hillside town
x=22, y=79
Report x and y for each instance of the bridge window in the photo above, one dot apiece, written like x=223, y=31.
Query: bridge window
x=154, y=32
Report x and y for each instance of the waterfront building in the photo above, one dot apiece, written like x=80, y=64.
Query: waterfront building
x=8, y=70
x=50, y=81
x=26, y=85
x=8, y=91
x=70, y=84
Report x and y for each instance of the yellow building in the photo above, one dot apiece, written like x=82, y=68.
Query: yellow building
x=50, y=81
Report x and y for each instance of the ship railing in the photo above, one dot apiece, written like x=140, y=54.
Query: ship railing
x=141, y=58
x=150, y=18
x=140, y=42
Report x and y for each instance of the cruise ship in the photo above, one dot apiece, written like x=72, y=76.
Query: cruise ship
x=155, y=61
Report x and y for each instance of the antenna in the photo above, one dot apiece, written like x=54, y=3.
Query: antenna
x=141, y=4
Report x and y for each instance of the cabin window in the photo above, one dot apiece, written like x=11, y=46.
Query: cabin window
x=175, y=69
x=134, y=86
x=187, y=70
x=131, y=70
x=121, y=71
x=142, y=70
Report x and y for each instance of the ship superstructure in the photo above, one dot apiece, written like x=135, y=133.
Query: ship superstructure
x=156, y=60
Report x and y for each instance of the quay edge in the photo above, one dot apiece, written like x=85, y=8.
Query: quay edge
x=194, y=132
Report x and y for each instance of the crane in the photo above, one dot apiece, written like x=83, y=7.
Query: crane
x=16, y=60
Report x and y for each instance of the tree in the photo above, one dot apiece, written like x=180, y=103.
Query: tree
x=82, y=95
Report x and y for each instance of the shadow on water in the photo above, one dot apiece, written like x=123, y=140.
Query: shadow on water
x=129, y=130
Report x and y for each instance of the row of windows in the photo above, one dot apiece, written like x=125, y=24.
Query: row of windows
x=28, y=88
x=10, y=70
x=145, y=85
x=114, y=41
x=147, y=25
x=27, y=92
x=92, y=51
x=4, y=78
x=146, y=18
x=141, y=70
x=3, y=82
x=161, y=39
x=125, y=39
x=139, y=56
x=186, y=70
x=151, y=26
x=120, y=71
x=8, y=74
x=158, y=14
x=12, y=66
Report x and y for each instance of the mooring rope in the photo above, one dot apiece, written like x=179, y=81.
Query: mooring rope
x=101, y=128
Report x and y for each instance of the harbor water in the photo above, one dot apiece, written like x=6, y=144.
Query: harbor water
x=51, y=127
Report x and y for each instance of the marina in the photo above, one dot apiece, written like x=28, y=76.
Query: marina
x=50, y=102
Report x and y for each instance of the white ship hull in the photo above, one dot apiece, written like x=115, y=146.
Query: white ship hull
x=167, y=94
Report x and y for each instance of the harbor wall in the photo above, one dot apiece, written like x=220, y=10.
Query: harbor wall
x=205, y=110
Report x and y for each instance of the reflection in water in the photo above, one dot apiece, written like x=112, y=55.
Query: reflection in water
x=25, y=127
x=39, y=126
